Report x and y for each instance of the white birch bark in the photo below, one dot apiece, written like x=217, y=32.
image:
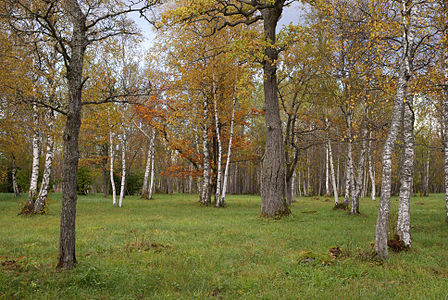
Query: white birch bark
x=354, y=209
x=371, y=167
x=218, y=202
x=112, y=154
x=327, y=175
x=444, y=127
x=151, y=181
x=39, y=205
x=409, y=21
x=333, y=176
x=35, y=166
x=293, y=186
x=229, y=152
x=123, y=169
x=14, y=177
x=147, y=171
x=406, y=172
x=349, y=178
x=206, y=175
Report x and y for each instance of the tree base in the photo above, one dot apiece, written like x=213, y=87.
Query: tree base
x=396, y=244
x=340, y=206
x=278, y=214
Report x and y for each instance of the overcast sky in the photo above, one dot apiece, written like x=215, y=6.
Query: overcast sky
x=290, y=14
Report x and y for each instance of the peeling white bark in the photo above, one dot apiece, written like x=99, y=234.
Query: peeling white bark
x=409, y=22
x=45, y=186
x=151, y=182
x=333, y=176
x=112, y=154
x=371, y=167
x=123, y=169
x=229, y=152
x=406, y=172
x=35, y=165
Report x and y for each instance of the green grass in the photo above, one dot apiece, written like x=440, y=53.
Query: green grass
x=171, y=248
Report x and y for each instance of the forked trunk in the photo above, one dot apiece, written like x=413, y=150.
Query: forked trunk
x=409, y=17
x=32, y=194
x=354, y=209
x=41, y=200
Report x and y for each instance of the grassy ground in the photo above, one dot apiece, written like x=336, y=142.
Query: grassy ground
x=171, y=247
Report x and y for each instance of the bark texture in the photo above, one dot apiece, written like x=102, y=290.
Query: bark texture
x=41, y=200
x=205, y=198
x=273, y=202
x=406, y=172
x=123, y=169
x=14, y=177
x=409, y=21
x=67, y=257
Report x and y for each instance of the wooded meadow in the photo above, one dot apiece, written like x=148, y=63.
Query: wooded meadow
x=336, y=118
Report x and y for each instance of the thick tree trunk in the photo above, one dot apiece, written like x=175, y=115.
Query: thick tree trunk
x=354, y=209
x=273, y=202
x=371, y=167
x=40, y=203
x=333, y=176
x=15, y=186
x=406, y=173
x=404, y=74
x=123, y=169
x=67, y=258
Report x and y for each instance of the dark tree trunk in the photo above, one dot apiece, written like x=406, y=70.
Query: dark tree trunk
x=273, y=177
x=67, y=258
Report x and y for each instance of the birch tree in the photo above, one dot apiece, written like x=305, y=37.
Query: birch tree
x=408, y=22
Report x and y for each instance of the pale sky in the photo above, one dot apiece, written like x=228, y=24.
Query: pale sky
x=290, y=14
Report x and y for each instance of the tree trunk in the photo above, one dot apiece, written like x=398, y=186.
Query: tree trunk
x=349, y=178
x=147, y=171
x=123, y=169
x=67, y=258
x=40, y=203
x=354, y=209
x=405, y=70
x=105, y=153
x=273, y=202
x=151, y=180
x=218, y=202
x=327, y=173
x=14, y=177
x=229, y=152
x=371, y=167
x=112, y=181
x=406, y=173
x=32, y=194
x=333, y=176
x=444, y=127
x=206, y=178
